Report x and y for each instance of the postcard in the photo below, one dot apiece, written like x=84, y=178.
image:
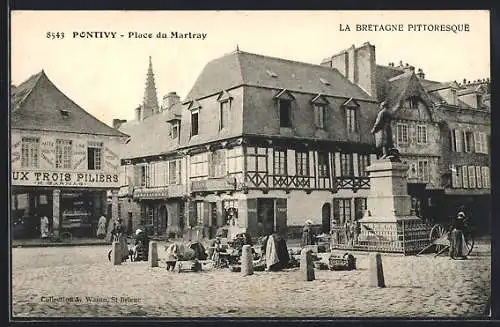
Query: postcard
x=250, y=164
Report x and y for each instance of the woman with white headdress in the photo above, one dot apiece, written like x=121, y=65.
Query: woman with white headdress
x=307, y=234
x=458, y=247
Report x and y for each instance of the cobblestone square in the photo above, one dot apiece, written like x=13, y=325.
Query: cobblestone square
x=80, y=282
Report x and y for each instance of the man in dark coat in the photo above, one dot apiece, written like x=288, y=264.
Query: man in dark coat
x=458, y=247
x=383, y=131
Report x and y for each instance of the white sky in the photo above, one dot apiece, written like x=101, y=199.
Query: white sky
x=107, y=76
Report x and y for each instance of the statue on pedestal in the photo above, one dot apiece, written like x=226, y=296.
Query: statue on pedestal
x=383, y=135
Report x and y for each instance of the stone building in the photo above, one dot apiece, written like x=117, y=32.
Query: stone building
x=439, y=128
x=63, y=161
x=258, y=144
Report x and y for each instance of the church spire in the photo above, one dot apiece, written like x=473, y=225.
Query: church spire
x=150, y=100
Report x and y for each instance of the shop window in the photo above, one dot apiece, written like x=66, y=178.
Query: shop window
x=363, y=162
x=302, y=163
x=230, y=212
x=30, y=149
x=64, y=153
x=285, y=107
x=280, y=164
x=346, y=165
x=94, y=156
x=342, y=210
x=323, y=165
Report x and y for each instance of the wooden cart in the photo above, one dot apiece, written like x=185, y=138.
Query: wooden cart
x=439, y=238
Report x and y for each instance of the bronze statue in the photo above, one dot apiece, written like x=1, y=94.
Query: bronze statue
x=383, y=133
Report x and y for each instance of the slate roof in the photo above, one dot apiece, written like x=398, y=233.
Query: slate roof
x=404, y=86
x=238, y=68
x=150, y=136
x=39, y=105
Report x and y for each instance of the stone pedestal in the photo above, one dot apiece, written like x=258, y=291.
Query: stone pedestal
x=246, y=261
x=388, y=224
x=153, y=254
x=306, y=266
x=116, y=254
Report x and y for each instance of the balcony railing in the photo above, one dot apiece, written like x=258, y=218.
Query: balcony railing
x=158, y=193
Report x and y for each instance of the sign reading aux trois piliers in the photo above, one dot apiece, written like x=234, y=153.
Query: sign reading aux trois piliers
x=55, y=178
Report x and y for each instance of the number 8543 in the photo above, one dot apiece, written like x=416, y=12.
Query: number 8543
x=55, y=35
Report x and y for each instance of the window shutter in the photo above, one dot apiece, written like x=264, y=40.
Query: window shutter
x=336, y=210
x=486, y=177
x=479, y=180
x=487, y=144
x=452, y=141
x=178, y=171
x=454, y=176
x=465, y=177
x=472, y=176
x=459, y=176
x=137, y=175
x=458, y=141
x=477, y=142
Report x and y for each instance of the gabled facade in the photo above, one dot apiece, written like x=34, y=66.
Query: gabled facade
x=257, y=136
x=63, y=161
x=439, y=128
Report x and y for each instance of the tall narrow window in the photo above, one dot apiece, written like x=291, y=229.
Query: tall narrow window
x=346, y=164
x=342, y=210
x=175, y=130
x=94, y=155
x=351, y=120
x=413, y=102
x=302, y=163
x=280, y=167
x=319, y=115
x=172, y=172
x=359, y=207
x=486, y=176
x=285, y=112
x=465, y=177
x=30, y=149
x=421, y=134
x=218, y=163
x=323, y=164
x=402, y=133
x=225, y=107
x=363, y=162
x=472, y=176
x=423, y=170
x=194, y=123
x=468, y=141
x=63, y=154
x=199, y=212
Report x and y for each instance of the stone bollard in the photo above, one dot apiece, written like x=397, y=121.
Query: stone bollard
x=246, y=261
x=116, y=254
x=153, y=254
x=376, y=271
x=306, y=265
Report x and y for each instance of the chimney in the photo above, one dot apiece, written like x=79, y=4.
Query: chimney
x=358, y=66
x=169, y=100
x=118, y=122
x=465, y=81
x=138, y=113
x=401, y=63
x=420, y=73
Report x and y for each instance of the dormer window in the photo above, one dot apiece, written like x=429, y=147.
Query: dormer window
x=194, y=123
x=453, y=93
x=319, y=104
x=351, y=113
x=271, y=73
x=175, y=130
x=324, y=81
x=225, y=100
x=64, y=113
x=284, y=101
x=413, y=102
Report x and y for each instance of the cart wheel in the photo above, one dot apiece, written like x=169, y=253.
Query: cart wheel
x=109, y=255
x=436, y=233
